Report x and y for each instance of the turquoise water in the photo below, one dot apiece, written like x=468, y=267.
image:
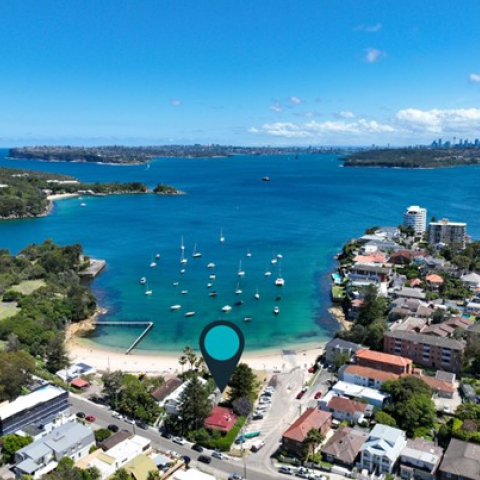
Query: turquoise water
x=306, y=212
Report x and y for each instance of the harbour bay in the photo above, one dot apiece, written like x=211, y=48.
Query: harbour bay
x=307, y=210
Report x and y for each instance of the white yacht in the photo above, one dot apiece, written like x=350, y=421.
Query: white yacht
x=241, y=272
x=238, y=290
x=257, y=295
x=175, y=307
x=196, y=254
x=226, y=308
x=211, y=265
x=222, y=238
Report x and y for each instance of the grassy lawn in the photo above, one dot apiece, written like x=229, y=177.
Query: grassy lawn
x=28, y=286
x=8, y=310
x=2, y=345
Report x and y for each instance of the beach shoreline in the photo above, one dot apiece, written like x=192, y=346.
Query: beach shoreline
x=105, y=359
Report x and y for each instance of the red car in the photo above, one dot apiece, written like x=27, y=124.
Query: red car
x=317, y=395
x=300, y=395
x=90, y=418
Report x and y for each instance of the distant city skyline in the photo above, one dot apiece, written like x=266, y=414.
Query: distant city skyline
x=274, y=72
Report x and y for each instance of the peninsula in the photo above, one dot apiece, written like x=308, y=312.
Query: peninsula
x=133, y=155
x=413, y=158
x=27, y=193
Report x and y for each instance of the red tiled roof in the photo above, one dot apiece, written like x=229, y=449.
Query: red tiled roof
x=346, y=405
x=372, y=373
x=383, y=357
x=434, y=278
x=311, y=418
x=434, y=383
x=79, y=383
x=415, y=282
x=220, y=418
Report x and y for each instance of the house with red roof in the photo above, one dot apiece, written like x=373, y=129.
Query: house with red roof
x=346, y=409
x=293, y=439
x=221, y=419
x=383, y=361
x=365, y=376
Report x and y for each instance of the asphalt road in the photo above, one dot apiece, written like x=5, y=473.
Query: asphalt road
x=220, y=468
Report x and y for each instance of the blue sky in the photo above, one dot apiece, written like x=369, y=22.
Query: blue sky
x=255, y=72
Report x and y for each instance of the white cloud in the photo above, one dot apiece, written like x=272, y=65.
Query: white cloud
x=315, y=129
x=347, y=114
x=175, y=102
x=475, y=77
x=373, y=54
x=295, y=100
x=276, y=107
x=438, y=121
x=368, y=28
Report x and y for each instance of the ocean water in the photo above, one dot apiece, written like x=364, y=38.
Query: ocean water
x=311, y=206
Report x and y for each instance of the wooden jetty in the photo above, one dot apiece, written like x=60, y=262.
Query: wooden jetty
x=148, y=326
x=95, y=267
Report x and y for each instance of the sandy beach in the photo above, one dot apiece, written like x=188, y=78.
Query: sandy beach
x=270, y=361
x=61, y=196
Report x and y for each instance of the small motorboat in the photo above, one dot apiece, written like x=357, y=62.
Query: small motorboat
x=175, y=307
x=226, y=308
x=148, y=292
x=248, y=319
x=182, y=271
x=212, y=276
x=279, y=282
x=209, y=285
x=238, y=303
x=190, y=314
x=276, y=310
x=153, y=264
x=257, y=295
x=157, y=256
x=143, y=280
x=212, y=294
x=211, y=265
x=266, y=179
x=175, y=284
x=184, y=292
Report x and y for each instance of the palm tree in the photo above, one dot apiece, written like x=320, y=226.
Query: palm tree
x=190, y=355
x=313, y=440
x=153, y=475
x=182, y=361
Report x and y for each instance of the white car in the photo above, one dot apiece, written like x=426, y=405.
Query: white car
x=179, y=440
x=217, y=454
x=117, y=415
x=129, y=420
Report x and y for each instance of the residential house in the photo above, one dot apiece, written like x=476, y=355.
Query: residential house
x=441, y=388
x=115, y=439
x=434, y=281
x=447, y=328
x=140, y=467
x=381, y=451
x=404, y=257
x=370, y=395
x=75, y=371
x=408, y=292
x=344, y=446
x=426, y=350
x=221, y=419
x=338, y=346
x=40, y=407
x=473, y=308
x=108, y=462
x=293, y=439
x=346, y=409
x=460, y=462
x=365, y=376
x=420, y=460
x=161, y=393
x=71, y=440
x=409, y=324
x=369, y=271
x=383, y=361
x=471, y=280
x=172, y=402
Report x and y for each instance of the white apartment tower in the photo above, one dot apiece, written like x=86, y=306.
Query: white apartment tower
x=415, y=217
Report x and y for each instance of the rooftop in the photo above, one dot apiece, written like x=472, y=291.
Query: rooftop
x=426, y=339
x=381, y=357
x=463, y=459
x=220, y=418
x=166, y=389
x=346, y=405
x=372, y=373
x=345, y=444
x=311, y=418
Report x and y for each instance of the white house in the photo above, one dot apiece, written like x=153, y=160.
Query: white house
x=382, y=450
x=172, y=402
x=471, y=280
x=70, y=440
x=346, y=409
x=373, y=397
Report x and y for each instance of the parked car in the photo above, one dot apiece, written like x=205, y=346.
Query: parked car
x=129, y=420
x=217, y=454
x=317, y=395
x=142, y=425
x=235, y=476
x=179, y=440
x=90, y=418
x=197, y=447
x=113, y=428
x=166, y=434
x=257, y=416
x=117, y=415
x=204, y=459
x=302, y=475
x=285, y=470
x=80, y=415
x=300, y=395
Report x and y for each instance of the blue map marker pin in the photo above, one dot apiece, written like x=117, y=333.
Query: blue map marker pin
x=222, y=344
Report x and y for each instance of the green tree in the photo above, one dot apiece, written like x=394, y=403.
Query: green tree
x=57, y=357
x=242, y=383
x=340, y=359
x=194, y=406
x=101, y=434
x=385, y=419
x=242, y=406
x=405, y=388
x=121, y=474
x=373, y=307
x=418, y=412
x=312, y=441
x=16, y=369
x=13, y=443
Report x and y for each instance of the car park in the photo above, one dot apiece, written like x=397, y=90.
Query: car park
x=179, y=440
x=217, y=454
x=285, y=470
x=197, y=447
x=113, y=428
x=90, y=418
x=204, y=459
x=317, y=395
